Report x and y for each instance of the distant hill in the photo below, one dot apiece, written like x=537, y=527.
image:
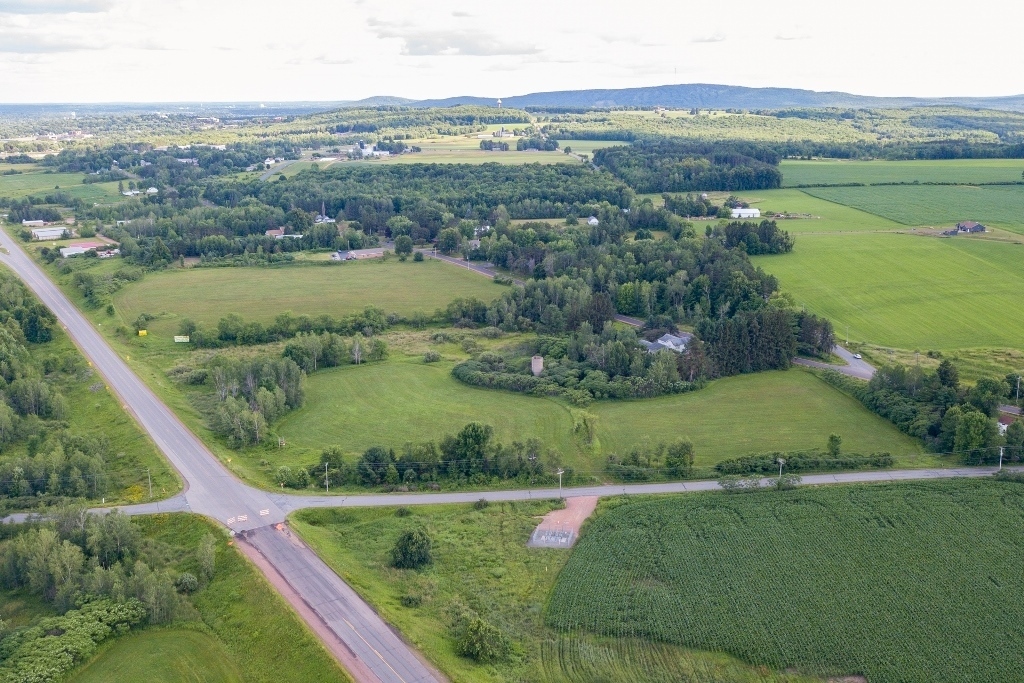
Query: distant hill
x=709, y=96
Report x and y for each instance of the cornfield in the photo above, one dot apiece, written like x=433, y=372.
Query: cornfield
x=896, y=582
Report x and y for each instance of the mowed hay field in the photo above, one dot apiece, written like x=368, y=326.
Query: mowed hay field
x=909, y=291
x=839, y=171
x=757, y=413
x=935, y=205
x=208, y=294
x=481, y=563
x=893, y=582
x=161, y=656
x=40, y=184
x=392, y=403
x=826, y=216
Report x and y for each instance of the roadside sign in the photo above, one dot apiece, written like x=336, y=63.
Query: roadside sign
x=181, y=339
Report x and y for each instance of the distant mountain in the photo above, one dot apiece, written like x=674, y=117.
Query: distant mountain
x=382, y=101
x=709, y=96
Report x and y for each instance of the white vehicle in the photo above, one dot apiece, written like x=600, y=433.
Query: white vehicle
x=857, y=356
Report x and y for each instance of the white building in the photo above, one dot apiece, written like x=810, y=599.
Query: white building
x=746, y=213
x=73, y=250
x=152, y=190
x=48, y=233
x=592, y=221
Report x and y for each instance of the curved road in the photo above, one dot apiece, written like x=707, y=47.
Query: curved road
x=855, y=367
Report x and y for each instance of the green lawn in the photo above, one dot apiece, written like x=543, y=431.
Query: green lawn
x=40, y=184
x=481, y=562
x=263, y=293
x=767, y=411
x=826, y=216
x=894, y=582
x=911, y=292
x=395, y=402
x=161, y=656
x=391, y=403
x=838, y=171
x=934, y=205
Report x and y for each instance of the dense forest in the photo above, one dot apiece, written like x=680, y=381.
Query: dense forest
x=689, y=166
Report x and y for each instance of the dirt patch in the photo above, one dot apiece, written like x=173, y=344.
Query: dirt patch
x=561, y=528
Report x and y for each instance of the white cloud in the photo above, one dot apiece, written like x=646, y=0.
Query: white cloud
x=104, y=50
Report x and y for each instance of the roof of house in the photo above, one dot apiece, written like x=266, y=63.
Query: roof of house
x=678, y=340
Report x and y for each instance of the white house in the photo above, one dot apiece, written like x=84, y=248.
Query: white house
x=152, y=190
x=48, y=233
x=592, y=221
x=746, y=213
x=668, y=342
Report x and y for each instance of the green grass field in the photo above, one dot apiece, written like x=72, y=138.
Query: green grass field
x=263, y=293
x=907, y=291
x=40, y=184
x=895, y=582
x=934, y=205
x=395, y=402
x=161, y=656
x=837, y=171
x=481, y=561
x=827, y=216
x=762, y=412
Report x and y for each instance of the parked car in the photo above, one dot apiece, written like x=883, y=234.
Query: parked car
x=857, y=356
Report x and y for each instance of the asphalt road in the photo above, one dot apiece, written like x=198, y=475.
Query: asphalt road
x=855, y=367
x=213, y=491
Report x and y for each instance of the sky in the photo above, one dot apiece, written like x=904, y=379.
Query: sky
x=288, y=50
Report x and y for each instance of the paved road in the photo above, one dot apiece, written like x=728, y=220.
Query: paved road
x=277, y=168
x=855, y=367
x=212, y=490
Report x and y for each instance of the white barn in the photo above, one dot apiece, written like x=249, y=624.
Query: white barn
x=746, y=213
x=48, y=233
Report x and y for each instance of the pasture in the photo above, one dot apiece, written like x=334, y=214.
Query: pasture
x=838, y=171
x=263, y=293
x=732, y=417
x=481, y=563
x=894, y=582
x=909, y=291
x=935, y=205
x=39, y=184
x=161, y=656
x=826, y=216
x=729, y=418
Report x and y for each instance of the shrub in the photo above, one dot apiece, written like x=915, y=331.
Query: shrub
x=411, y=600
x=403, y=512
x=412, y=550
x=480, y=504
x=418, y=256
x=431, y=356
x=187, y=583
x=482, y=641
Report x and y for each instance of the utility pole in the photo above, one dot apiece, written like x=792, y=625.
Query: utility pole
x=1018, y=388
x=847, y=334
x=150, y=478
x=327, y=480
x=560, y=473
x=782, y=461
x=1000, y=459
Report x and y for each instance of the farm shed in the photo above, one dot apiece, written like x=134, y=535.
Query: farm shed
x=48, y=233
x=746, y=213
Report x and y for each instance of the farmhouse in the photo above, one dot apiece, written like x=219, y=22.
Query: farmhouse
x=970, y=227
x=47, y=233
x=746, y=213
x=668, y=342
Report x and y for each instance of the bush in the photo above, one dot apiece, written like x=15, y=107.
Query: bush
x=482, y=641
x=418, y=256
x=480, y=504
x=431, y=357
x=187, y=583
x=403, y=512
x=411, y=600
x=412, y=550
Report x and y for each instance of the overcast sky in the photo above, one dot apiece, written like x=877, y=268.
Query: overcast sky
x=252, y=50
